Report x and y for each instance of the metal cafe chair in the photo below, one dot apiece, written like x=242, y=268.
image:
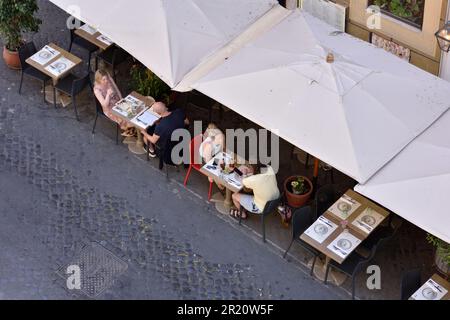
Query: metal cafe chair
x=325, y=197
x=302, y=220
x=193, y=156
x=411, y=282
x=164, y=155
x=99, y=112
x=269, y=208
x=354, y=264
x=112, y=56
x=26, y=51
x=84, y=44
x=72, y=86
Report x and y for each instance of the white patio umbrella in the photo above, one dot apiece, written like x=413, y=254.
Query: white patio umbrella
x=170, y=37
x=416, y=183
x=355, y=113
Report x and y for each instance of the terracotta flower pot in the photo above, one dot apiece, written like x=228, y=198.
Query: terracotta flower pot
x=11, y=59
x=297, y=200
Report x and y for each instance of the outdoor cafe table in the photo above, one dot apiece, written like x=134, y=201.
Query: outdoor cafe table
x=141, y=118
x=54, y=62
x=93, y=36
x=231, y=181
x=340, y=230
x=436, y=288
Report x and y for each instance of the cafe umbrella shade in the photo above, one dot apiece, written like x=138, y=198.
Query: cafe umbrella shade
x=171, y=37
x=416, y=183
x=343, y=100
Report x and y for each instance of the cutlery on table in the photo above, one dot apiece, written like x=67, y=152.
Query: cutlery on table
x=340, y=250
x=364, y=226
x=436, y=286
x=325, y=221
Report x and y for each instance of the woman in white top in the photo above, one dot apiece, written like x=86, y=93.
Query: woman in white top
x=213, y=142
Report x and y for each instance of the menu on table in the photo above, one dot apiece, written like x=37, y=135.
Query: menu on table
x=344, y=244
x=44, y=55
x=368, y=220
x=321, y=229
x=146, y=119
x=344, y=207
x=431, y=290
x=59, y=66
x=129, y=107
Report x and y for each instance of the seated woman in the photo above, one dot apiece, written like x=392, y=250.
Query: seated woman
x=213, y=142
x=265, y=189
x=107, y=93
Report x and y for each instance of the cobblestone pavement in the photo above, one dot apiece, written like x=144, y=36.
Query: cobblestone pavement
x=62, y=188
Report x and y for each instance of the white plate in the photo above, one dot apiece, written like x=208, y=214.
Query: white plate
x=320, y=229
x=45, y=54
x=429, y=293
x=344, y=206
x=344, y=244
x=369, y=220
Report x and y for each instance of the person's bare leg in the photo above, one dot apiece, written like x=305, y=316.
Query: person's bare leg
x=236, y=197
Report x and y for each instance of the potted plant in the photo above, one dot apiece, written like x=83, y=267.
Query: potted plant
x=16, y=16
x=298, y=190
x=145, y=82
x=442, y=254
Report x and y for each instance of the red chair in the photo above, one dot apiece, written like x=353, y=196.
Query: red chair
x=195, y=161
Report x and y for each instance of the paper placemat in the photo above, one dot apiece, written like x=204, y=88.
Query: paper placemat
x=368, y=220
x=105, y=40
x=431, y=290
x=59, y=66
x=344, y=244
x=87, y=28
x=344, y=207
x=45, y=55
x=321, y=229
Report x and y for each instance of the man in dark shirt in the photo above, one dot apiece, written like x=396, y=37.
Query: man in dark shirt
x=160, y=134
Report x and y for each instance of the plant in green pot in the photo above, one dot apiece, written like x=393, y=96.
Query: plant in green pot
x=145, y=82
x=442, y=254
x=298, y=190
x=16, y=17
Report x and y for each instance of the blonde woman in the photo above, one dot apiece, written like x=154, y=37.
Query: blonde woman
x=213, y=142
x=107, y=93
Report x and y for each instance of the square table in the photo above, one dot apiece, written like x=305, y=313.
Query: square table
x=144, y=105
x=231, y=181
x=348, y=222
x=93, y=36
x=46, y=64
x=436, y=288
x=61, y=54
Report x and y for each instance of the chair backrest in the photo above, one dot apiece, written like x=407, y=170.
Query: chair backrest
x=194, y=146
x=119, y=55
x=411, y=282
x=98, y=106
x=301, y=220
x=26, y=51
x=271, y=206
x=80, y=84
x=325, y=197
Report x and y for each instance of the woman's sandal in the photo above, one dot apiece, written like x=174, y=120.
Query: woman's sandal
x=234, y=213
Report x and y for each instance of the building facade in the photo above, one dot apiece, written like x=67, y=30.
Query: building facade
x=406, y=28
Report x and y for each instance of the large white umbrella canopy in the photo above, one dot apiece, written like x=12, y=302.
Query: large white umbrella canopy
x=171, y=37
x=416, y=183
x=355, y=113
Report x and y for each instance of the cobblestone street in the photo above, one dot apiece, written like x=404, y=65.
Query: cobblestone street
x=62, y=188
